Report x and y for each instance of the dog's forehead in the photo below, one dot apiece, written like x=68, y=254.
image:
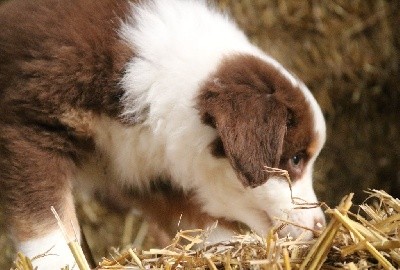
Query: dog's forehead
x=265, y=77
x=260, y=79
x=260, y=76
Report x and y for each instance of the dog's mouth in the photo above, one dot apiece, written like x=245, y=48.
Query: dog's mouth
x=266, y=223
x=285, y=227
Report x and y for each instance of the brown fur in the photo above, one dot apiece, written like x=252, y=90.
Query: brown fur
x=61, y=53
x=165, y=206
x=271, y=118
x=60, y=63
x=32, y=180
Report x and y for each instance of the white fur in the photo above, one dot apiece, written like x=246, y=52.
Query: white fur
x=179, y=43
x=49, y=252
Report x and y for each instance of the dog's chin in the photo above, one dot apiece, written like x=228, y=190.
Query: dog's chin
x=295, y=228
x=295, y=232
x=268, y=223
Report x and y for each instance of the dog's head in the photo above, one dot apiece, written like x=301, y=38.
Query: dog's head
x=219, y=111
x=264, y=118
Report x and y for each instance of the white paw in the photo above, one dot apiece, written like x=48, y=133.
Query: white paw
x=219, y=234
x=50, y=252
x=53, y=262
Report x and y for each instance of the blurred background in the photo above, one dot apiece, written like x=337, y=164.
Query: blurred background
x=348, y=53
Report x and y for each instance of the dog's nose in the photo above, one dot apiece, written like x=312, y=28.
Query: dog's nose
x=319, y=224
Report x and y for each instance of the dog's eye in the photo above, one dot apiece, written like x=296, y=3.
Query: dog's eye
x=295, y=165
x=297, y=160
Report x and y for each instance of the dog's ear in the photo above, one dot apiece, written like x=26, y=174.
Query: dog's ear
x=252, y=139
x=252, y=130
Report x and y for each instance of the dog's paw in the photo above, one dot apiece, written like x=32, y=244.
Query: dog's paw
x=50, y=252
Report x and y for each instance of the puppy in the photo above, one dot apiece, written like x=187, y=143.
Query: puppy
x=128, y=92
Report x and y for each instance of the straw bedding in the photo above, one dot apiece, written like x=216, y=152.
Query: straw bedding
x=365, y=239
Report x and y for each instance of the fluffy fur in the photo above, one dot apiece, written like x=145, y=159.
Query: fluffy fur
x=134, y=92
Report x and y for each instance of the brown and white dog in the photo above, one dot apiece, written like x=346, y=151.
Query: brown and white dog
x=134, y=91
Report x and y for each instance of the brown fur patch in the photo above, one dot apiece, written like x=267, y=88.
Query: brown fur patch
x=57, y=54
x=60, y=64
x=167, y=207
x=80, y=121
x=261, y=118
x=32, y=178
